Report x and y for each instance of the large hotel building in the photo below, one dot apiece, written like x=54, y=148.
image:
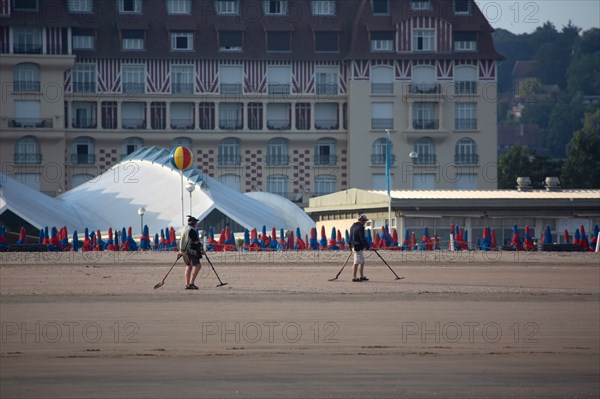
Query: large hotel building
x=294, y=97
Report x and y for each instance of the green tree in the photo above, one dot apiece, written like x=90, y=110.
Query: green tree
x=516, y=162
x=563, y=121
x=536, y=111
x=583, y=74
x=582, y=168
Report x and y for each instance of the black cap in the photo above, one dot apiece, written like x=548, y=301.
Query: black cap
x=192, y=220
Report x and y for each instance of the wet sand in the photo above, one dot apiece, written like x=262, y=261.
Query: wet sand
x=459, y=325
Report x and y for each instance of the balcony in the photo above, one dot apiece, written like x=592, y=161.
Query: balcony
x=466, y=159
x=325, y=160
x=465, y=87
x=382, y=88
x=22, y=48
x=278, y=124
x=28, y=159
x=424, y=88
x=231, y=88
x=182, y=124
x=379, y=159
x=109, y=123
x=182, y=88
x=426, y=124
x=278, y=160
x=134, y=88
x=133, y=123
x=84, y=123
x=26, y=86
x=425, y=159
x=230, y=124
x=465, y=124
x=326, y=124
x=84, y=87
x=327, y=88
x=30, y=123
x=229, y=160
x=382, y=123
x=278, y=88
x=83, y=159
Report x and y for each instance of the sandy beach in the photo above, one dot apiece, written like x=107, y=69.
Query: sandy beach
x=458, y=325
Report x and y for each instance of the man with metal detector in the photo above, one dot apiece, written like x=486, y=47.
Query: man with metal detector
x=191, y=249
x=359, y=244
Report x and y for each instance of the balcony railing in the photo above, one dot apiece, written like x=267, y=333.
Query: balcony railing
x=30, y=123
x=278, y=124
x=382, y=88
x=230, y=124
x=379, y=159
x=158, y=123
x=278, y=160
x=109, y=123
x=325, y=159
x=466, y=159
x=134, y=88
x=22, y=48
x=84, y=123
x=326, y=124
x=182, y=124
x=302, y=124
x=84, y=87
x=133, y=123
x=424, y=88
x=426, y=124
x=28, y=159
x=468, y=124
x=26, y=86
x=206, y=124
x=231, y=88
x=382, y=123
x=279, y=88
x=327, y=88
x=425, y=159
x=229, y=160
x=182, y=88
x=83, y=159
x=465, y=87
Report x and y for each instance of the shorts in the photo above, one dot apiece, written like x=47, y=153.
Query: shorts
x=359, y=257
x=191, y=260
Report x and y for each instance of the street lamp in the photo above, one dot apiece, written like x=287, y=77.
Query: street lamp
x=387, y=175
x=141, y=212
x=413, y=157
x=190, y=187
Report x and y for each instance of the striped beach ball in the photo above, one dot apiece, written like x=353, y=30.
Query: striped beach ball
x=181, y=158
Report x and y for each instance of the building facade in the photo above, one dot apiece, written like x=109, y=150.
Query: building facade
x=294, y=97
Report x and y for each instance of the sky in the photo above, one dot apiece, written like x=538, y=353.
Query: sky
x=524, y=16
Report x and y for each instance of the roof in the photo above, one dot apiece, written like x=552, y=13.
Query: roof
x=523, y=69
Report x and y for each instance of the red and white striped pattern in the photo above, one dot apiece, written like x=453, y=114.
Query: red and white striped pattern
x=54, y=41
x=67, y=85
x=361, y=70
x=403, y=69
x=5, y=7
x=487, y=70
x=255, y=76
x=343, y=79
x=207, y=76
x=109, y=75
x=443, y=33
x=158, y=76
x=303, y=77
x=445, y=69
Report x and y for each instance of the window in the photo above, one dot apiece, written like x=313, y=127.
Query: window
x=277, y=152
x=133, y=77
x=326, y=116
x=182, y=116
x=323, y=7
x=82, y=151
x=465, y=41
x=423, y=40
x=229, y=152
x=382, y=41
x=158, y=115
x=81, y=6
x=231, y=78
x=25, y=5
x=131, y=145
x=182, y=79
x=27, y=40
x=27, y=113
x=382, y=116
x=424, y=116
x=325, y=153
x=462, y=7
x=326, y=81
x=418, y=5
x=425, y=152
x=83, y=39
x=132, y=40
x=278, y=184
x=83, y=115
x=130, y=6
x=84, y=78
x=179, y=6
x=327, y=42
x=227, y=7
x=230, y=116
x=27, y=151
x=182, y=41
x=303, y=116
x=133, y=115
x=255, y=116
x=230, y=41
x=378, y=152
x=109, y=114
x=466, y=152
x=465, y=80
x=275, y=7
x=279, y=80
x=380, y=7
x=465, y=115
x=26, y=77
x=278, y=116
x=382, y=80
x=324, y=184
x=207, y=116
x=279, y=41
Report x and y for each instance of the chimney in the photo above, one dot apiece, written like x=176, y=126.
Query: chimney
x=552, y=183
x=523, y=183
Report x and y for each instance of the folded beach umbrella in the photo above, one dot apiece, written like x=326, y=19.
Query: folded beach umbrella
x=312, y=241
x=22, y=237
x=566, y=236
x=547, y=235
x=156, y=242
x=516, y=242
x=41, y=236
x=584, y=244
x=323, y=240
x=75, y=241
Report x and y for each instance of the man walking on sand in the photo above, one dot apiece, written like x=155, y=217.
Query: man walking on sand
x=191, y=249
x=359, y=244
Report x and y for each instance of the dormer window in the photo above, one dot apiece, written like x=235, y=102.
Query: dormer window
x=423, y=40
x=182, y=41
x=420, y=5
x=465, y=41
x=130, y=6
x=382, y=41
x=26, y=5
x=230, y=41
x=227, y=7
x=81, y=6
x=462, y=7
x=323, y=7
x=275, y=7
x=380, y=7
x=179, y=6
x=132, y=40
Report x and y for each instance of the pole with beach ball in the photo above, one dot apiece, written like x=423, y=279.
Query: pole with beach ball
x=181, y=158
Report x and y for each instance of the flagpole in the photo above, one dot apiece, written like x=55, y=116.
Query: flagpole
x=387, y=176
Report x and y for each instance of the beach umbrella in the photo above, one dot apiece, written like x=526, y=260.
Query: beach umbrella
x=406, y=241
x=493, y=238
x=516, y=242
x=394, y=237
x=584, y=244
x=116, y=244
x=22, y=237
x=323, y=240
x=86, y=235
x=246, y=244
x=369, y=238
x=290, y=242
x=576, y=237
x=332, y=245
x=566, y=236
x=64, y=238
x=41, y=236
x=347, y=236
x=156, y=244
x=75, y=241
x=436, y=241
x=312, y=241
x=2, y=237
x=547, y=235
x=413, y=242
x=486, y=241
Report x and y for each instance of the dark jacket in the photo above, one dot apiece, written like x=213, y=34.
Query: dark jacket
x=357, y=237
